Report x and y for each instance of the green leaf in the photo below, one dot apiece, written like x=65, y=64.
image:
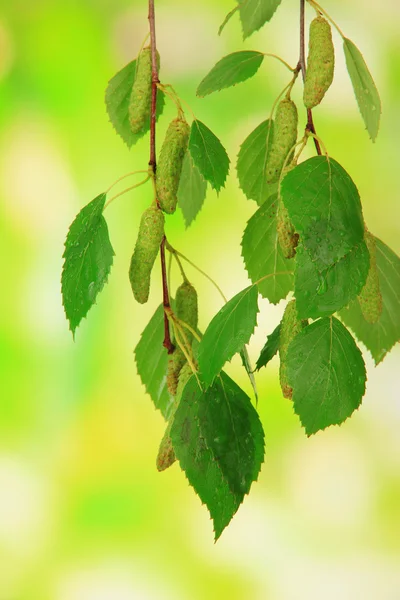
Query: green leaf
x=263, y=256
x=227, y=19
x=325, y=209
x=252, y=162
x=228, y=332
x=208, y=155
x=322, y=294
x=255, y=13
x=118, y=94
x=230, y=70
x=326, y=370
x=271, y=347
x=152, y=360
x=379, y=337
x=364, y=87
x=88, y=259
x=219, y=441
x=192, y=190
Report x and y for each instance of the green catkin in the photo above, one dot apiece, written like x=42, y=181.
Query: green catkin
x=150, y=236
x=321, y=62
x=170, y=164
x=285, y=136
x=370, y=298
x=291, y=325
x=166, y=455
x=140, y=100
x=287, y=237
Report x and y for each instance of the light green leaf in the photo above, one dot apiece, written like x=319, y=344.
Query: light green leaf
x=208, y=155
x=88, y=259
x=364, y=87
x=219, y=441
x=322, y=294
x=252, y=162
x=271, y=347
x=379, y=337
x=230, y=70
x=117, y=99
x=327, y=373
x=152, y=360
x=255, y=13
x=192, y=190
x=325, y=209
x=263, y=256
x=228, y=332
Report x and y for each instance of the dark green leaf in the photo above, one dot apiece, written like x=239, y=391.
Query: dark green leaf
x=219, y=441
x=208, y=155
x=271, y=347
x=252, y=162
x=327, y=373
x=325, y=208
x=228, y=332
x=88, y=259
x=152, y=360
x=118, y=95
x=192, y=190
x=263, y=256
x=364, y=87
x=255, y=13
x=227, y=19
x=380, y=337
x=230, y=70
x=322, y=294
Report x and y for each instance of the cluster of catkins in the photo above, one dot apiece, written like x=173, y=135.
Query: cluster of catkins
x=151, y=234
x=319, y=77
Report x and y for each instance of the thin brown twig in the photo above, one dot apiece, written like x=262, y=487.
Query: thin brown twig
x=153, y=164
x=302, y=65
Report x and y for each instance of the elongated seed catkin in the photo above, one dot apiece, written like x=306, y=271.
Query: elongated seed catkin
x=370, y=298
x=151, y=233
x=166, y=455
x=287, y=237
x=291, y=325
x=140, y=100
x=321, y=62
x=285, y=136
x=170, y=164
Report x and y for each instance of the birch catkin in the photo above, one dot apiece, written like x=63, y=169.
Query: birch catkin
x=320, y=64
x=170, y=164
x=140, y=100
x=291, y=325
x=370, y=298
x=150, y=236
x=285, y=136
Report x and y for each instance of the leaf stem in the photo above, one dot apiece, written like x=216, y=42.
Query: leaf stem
x=281, y=60
x=124, y=177
x=272, y=275
x=319, y=8
x=129, y=189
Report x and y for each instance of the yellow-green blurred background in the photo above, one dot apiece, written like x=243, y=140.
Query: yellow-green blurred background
x=84, y=515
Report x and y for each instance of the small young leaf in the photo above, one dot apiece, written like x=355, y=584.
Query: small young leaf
x=364, y=87
x=326, y=370
x=88, y=259
x=255, y=13
x=379, y=337
x=252, y=162
x=117, y=99
x=325, y=209
x=152, y=360
x=192, y=190
x=227, y=19
x=228, y=332
x=271, y=347
x=208, y=155
x=263, y=256
x=219, y=441
x=230, y=70
x=322, y=294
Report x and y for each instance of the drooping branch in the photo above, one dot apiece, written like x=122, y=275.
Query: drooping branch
x=153, y=164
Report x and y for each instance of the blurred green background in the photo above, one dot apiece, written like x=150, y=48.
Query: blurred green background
x=84, y=515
